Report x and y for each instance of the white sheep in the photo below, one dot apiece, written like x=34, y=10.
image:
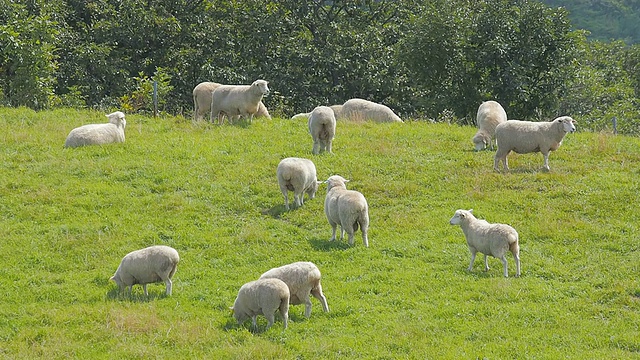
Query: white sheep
x=263, y=296
x=98, y=134
x=297, y=175
x=526, y=137
x=153, y=264
x=303, y=279
x=488, y=239
x=237, y=100
x=347, y=208
x=490, y=114
x=322, y=127
x=202, y=94
x=363, y=110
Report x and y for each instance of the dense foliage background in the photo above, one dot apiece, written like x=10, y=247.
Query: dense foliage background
x=432, y=60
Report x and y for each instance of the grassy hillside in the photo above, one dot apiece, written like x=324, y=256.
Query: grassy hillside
x=69, y=215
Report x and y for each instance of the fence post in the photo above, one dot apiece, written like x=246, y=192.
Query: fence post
x=155, y=98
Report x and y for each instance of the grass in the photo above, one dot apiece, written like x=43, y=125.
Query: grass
x=69, y=215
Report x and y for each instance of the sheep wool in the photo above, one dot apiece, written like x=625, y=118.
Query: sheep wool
x=526, y=137
x=322, y=127
x=262, y=296
x=98, y=134
x=153, y=264
x=347, y=208
x=202, y=97
x=489, y=239
x=490, y=114
x=297, y=175
x=363, y=110
x=238, y=100
x=303, y=279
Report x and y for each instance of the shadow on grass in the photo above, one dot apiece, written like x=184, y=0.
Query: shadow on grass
x=137, y=297
x=276, y=211
x=326, y=245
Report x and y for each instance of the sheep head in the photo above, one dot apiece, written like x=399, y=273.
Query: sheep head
x=262, y=86
x=336, y=181
x=460, y=216
x=568, y=124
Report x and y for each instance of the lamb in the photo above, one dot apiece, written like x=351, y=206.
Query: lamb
x=238, y=100
x=98, y=134
x=362, y=110
x=490, y=114
x=297, y=175
x=153, y=264
x=488, y=239
x=347, y=208
x=262, y=296
x=202, y=101
x=526, y=137
x=302, y=278
x=322, y=127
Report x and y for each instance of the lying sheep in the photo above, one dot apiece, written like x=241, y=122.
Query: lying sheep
x=149, y=265
x=202, y=94
x=347, y=208
x=302, y=278
x=237, y=100
x=526, y=137
x=297, y=175
x=490, y=114
x=488, y=239
x=263, y=296
x=363, y=110
x=98, y=134
x=322, y=127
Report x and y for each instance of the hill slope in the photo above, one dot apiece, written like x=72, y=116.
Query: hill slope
x=69, y=215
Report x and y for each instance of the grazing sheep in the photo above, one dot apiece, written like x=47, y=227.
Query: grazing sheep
x=237, y=100
x=297, y=175
x=526, y=137
x=347, y=208
x=302, y=278
x=263, y=296
x=488, y=239
x=490, y=114
x=98, y=134
x=322, y=127
x=362, y=110
x=202, y=94
x=149, y=265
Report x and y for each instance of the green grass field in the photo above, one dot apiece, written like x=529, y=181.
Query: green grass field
x=68, y=216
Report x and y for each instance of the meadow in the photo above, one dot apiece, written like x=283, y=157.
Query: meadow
x=68, y=216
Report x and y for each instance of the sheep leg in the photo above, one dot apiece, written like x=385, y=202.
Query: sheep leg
x=284, y=313
x=270, y=319
x=169, y=285
x=144, y=287
x=516, y=257
x=504, y=265
x=545, y=165
x=254, y=323
x=285, y=193
x=317, y=293
x=328, y=146
x=307, y=306
x=316, y=147
x=333, y=234
x=486, y=263
x=473, y=258
x=297, y=198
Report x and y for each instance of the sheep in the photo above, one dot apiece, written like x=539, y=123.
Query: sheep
x=262, y=296
x=237, y=100
x=347, y=208
x=362, y=110
x=302, y=278
x=488, y=239
x=156, y=263
x=526, y=137
x=98, y=134
x=202, y=94
x=322, y=127
x=297, y=175
x=490, y=114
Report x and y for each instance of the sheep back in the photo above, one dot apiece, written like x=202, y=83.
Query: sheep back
x=490, y=114
x=322, y=127
x=149, y=265
x=297, y=175
x=262, y=297
x=363, y=110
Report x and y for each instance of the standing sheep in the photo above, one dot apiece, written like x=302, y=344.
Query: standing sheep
x=98, y=134
x=302, y=278
x=149, y=265
x=490, y=114
x=347, y=208
x=202, y=96
x=526, y=137
x=322, y=127
x=488, y=239
x=238, y=100
x=297, y=175
x=263, y=296
x=363, y=110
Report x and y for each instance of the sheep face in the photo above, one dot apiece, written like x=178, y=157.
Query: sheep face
x=568, y=124
x=336, y=180
x=460, y=216
x=480, y=141
x=117, y=118
x=262, y=86
x=311, y=191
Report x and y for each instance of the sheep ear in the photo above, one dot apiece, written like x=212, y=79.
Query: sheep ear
x=113, y=278
x=471, y=210
x=345, y=180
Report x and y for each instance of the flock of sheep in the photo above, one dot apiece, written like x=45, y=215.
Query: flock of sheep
x=293, y=284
